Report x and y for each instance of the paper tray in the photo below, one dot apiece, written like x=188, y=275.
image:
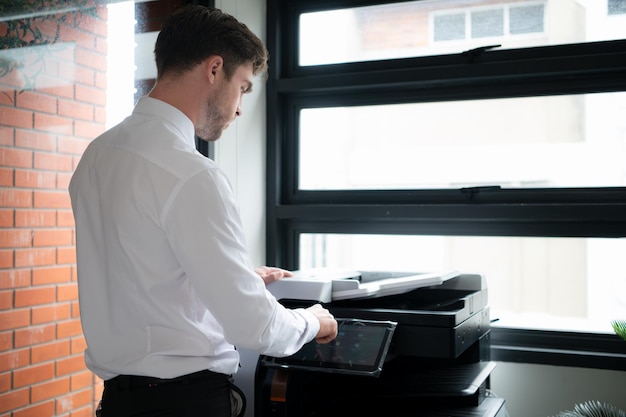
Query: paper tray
x=327, y=284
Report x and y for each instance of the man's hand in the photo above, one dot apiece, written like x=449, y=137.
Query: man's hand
x=271, y=274
x=328, y=324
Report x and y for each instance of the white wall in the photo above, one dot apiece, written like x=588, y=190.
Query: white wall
x=240, y=152
x=529, y=390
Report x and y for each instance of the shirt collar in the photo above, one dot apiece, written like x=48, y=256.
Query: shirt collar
x=170, y=114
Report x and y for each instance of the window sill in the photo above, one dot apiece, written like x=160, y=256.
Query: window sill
x=574, y=349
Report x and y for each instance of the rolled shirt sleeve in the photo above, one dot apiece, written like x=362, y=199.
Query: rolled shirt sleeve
x=203, y=226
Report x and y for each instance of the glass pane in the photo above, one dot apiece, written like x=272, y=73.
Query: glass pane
x=449, y=27
x=547, y=283
x=487, y=23
x=528, y=19
x=561, y=141
x=432, y=27
x=617, y=6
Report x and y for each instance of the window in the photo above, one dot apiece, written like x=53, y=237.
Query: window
x=617, y=6
x=491, y=22
x=390, y=30
x=508, y=142
x=485, y=137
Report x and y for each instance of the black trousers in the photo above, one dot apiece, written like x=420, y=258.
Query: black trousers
x=201, y=394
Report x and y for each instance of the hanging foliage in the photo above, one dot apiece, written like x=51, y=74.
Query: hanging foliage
x=28, y=29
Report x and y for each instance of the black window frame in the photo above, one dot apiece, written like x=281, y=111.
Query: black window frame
x=481, y=73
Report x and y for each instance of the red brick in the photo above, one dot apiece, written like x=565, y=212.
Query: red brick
x=81, y=380
x=6, y=341
x=14, y=359
x=50, y=275
x=67, y=292
x=41, y=409
x=69, y=328
x=63, y=180
x=45, y=26
x=82, y=39
x=76, y=309
x=49, y=351
x=50, y=313
x=5, y=382
x=52, y=237
x=20, y=158
x=89, y=130
x=14, y=399
x=91, y=95
x=15, y=238
x=26, y=297
x=93, y=26
x=90, y=59
x=66, y=255
x=76, y=160
x=6, y=299
x=52, y=123
x=76, y=110
x=34, y=335
x=34, y=179
x=35, y=218
x=7, y=135
x=52, y=161
x=66, y=91
x=51, y=80
x=6, y=177
x=15, y=278
x=73, y=400
x=35, y=140
x=47, y=390
x=7, y=218
x=101, y=82
x=34, y=100
x=16, y=198
x=70, y=365
x=51, y=199
x=100, y=114
x=102, y=46
x=12, y=81
x=72, y=145
x=35, y=257
x=65, y=218
x=6, y=259
x=17, y=117
x=78, y=345
x=87, y=411
x=7, y=98
x=33, y=374
x=81, y=75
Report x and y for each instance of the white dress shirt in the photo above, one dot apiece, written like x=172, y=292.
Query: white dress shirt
x=165, y=283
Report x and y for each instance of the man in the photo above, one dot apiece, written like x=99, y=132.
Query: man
x=165, y=284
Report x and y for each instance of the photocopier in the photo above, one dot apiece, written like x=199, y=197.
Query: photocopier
x=409, y=344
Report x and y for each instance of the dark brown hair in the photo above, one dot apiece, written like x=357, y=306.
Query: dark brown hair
x=193, y=33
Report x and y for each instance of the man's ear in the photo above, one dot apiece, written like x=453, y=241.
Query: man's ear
x=213, y=66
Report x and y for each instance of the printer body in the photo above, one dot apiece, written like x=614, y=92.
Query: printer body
x=425, y=334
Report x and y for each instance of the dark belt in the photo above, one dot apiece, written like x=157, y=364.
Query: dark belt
x=133, y=382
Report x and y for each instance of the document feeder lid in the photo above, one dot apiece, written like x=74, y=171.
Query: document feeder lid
x=328, y=284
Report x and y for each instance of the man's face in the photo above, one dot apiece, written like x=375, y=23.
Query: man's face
x=224, y=104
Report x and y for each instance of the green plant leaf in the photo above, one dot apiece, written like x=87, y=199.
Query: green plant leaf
x=593, y=409
x=619, y=326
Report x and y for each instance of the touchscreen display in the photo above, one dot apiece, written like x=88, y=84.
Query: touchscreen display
x=360, y=347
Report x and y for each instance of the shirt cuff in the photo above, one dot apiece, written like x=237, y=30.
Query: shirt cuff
x=312, y=324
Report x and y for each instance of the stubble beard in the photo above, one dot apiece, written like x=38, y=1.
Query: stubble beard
x=215, y=123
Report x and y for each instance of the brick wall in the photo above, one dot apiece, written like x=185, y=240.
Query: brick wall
x=51, y=106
